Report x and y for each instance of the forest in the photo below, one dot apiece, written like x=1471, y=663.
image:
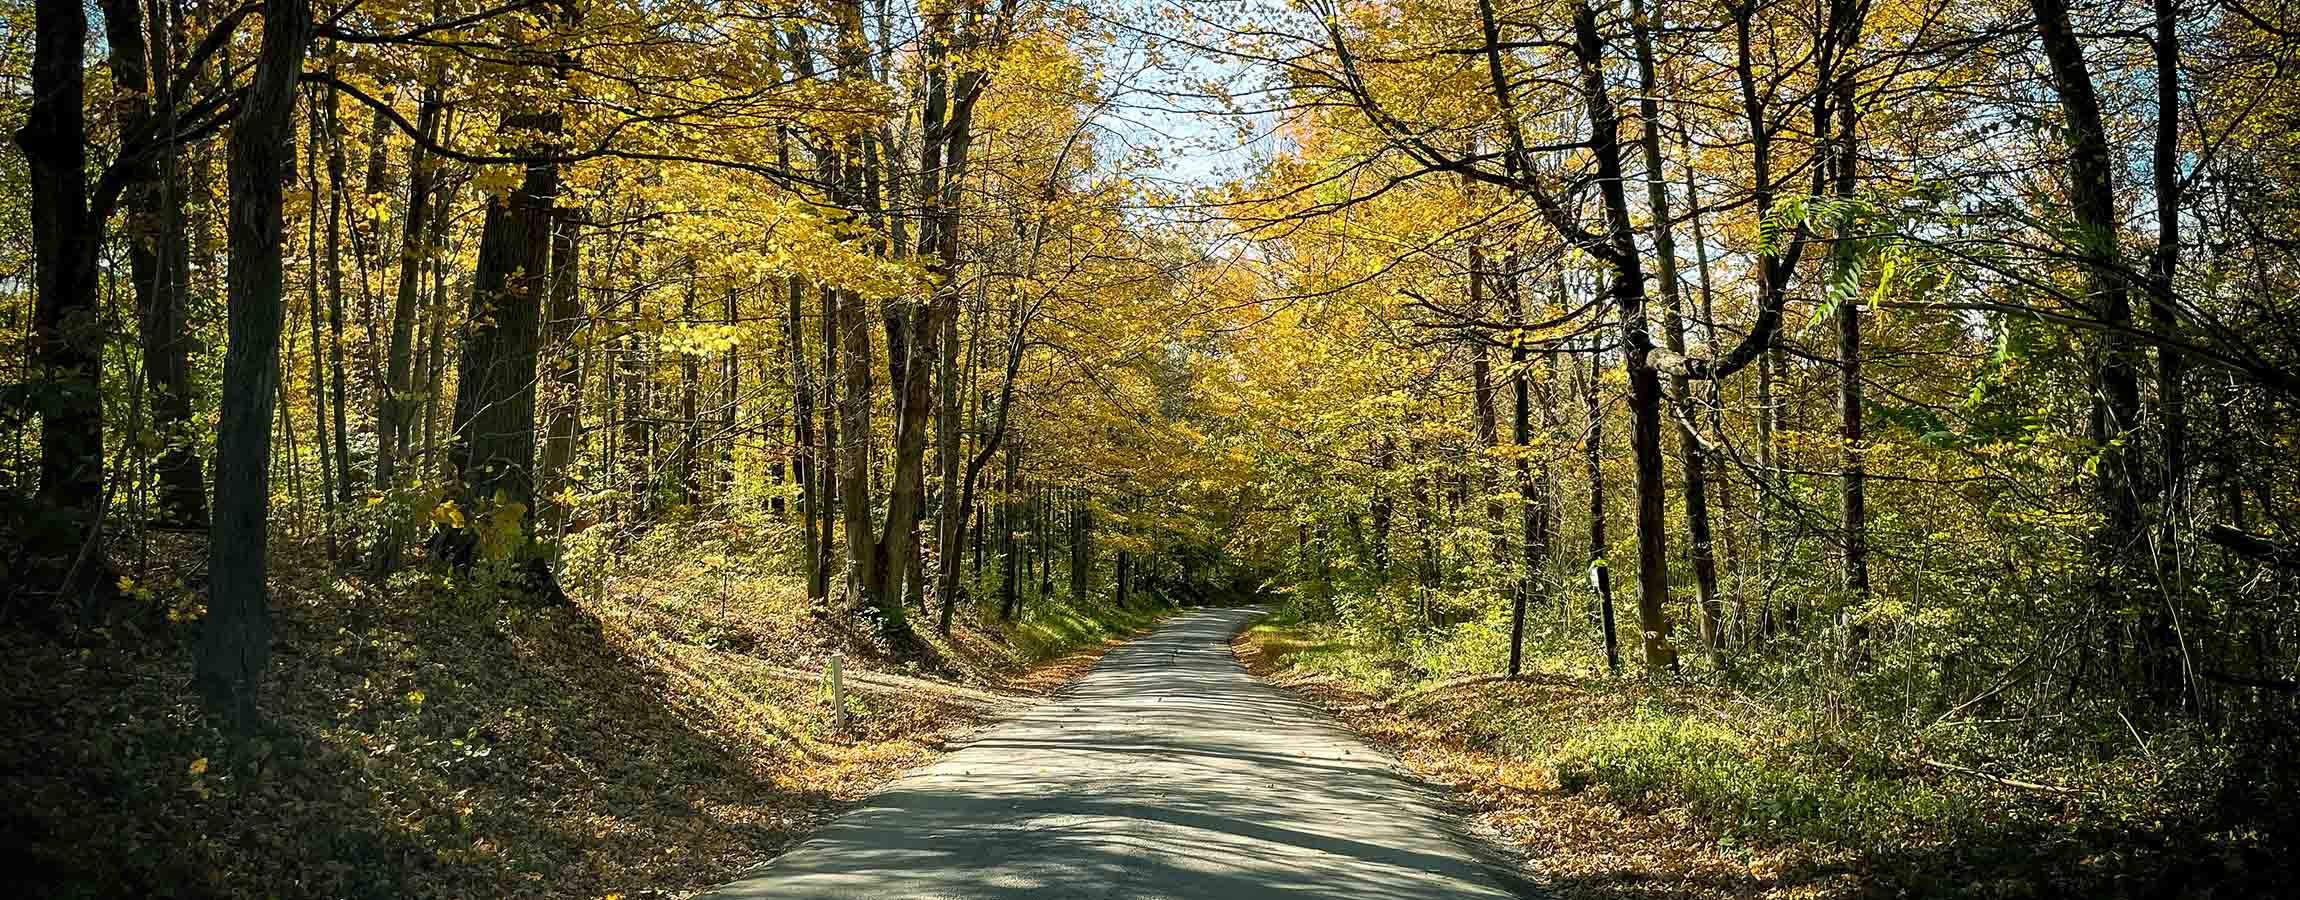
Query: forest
x=1815, y=448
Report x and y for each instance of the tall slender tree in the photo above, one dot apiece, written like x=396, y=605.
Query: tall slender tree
x=235, y=637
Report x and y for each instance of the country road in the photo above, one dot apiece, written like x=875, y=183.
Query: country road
x=1166, y=772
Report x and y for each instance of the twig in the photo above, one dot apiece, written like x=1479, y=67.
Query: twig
x=2008, y=782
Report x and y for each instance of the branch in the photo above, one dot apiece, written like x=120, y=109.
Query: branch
x=2255, y=547
x=603, y=151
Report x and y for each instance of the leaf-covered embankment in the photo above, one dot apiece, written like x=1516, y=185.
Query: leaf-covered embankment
x=665, y=732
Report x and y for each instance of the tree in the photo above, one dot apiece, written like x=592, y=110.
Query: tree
x=158, y=253
x=64, y=383
x=235, y=638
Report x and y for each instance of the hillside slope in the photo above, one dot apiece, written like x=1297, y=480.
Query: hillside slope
x=656, y=737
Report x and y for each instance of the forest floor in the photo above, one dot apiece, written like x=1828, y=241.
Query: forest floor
x=663, y=732
x=1614, y=789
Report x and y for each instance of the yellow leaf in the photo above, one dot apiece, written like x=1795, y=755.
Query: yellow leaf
x=200, y=766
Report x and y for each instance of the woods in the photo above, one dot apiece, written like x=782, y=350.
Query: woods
x=1914, y=378
x=470, y=369
x=1850, y=232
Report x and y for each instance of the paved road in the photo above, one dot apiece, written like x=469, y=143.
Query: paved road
x=1167, y=772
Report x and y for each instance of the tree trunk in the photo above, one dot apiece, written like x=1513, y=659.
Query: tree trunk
x=494, y=415
x=66, y=364
x=1852, y=505
x=1081, y=546
x=690, y=408
x=395, y=408
x=315, y=314
x=235, y=637
x=1125, y=575
x=804, y=458
x=2092, y=199
x=336, y=392
x=1381, y=509
x=1691, y=459
x=157, y=257
x=1017, y=327
x=1042, y=523
x=2168, y=677
x=1009, y=564
x=1723, y=481
x=1484, y=424
x=1533, y=509
x=638, y=433
x=730, y=401
x=865, y=555
x=435, y=350
x=950, y=518
x=1592, y=456
x=827, y=458
x=1628, y=290
x=1852, y=502
x=563, y=400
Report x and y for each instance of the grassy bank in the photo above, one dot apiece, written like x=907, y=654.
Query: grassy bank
x=1623, y=788
x=667, y=730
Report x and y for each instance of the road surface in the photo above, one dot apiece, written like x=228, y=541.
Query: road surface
x=1166, y=772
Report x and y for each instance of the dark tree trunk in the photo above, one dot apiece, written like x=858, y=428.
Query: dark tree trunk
x=827, y=458
x=235, y=636
x=1722, y=480
x=1010, y=575
x=1628, y=289
x=804, y=458
x=690, y=408
x=1381, y=509
x=638, y=432
x=67, y=329
x=496, y=374
x=1852, y=506
x=1532, y=501
x=1042, y=524
x=2090, y=181
x=563, y=406
x=1081, y=545
x=730, y=400
x=154, y=202
x=1592, y=455
x=1484, y=418
x=2168, y=677
x=866, y=561
x=434, y=367
x=1125, y=575
x=1692, y=461
x=998, y=414
x=1852, y=502
x=395, y=409
x=336, y=369
x=315, y=315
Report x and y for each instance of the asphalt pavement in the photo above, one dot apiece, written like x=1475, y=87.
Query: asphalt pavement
x=1166, y=772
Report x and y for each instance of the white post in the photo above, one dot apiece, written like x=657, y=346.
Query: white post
x=838, y=695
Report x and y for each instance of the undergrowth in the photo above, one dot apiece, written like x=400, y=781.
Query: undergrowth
x=1708, y=787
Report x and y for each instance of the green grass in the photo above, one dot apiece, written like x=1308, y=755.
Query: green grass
x=1759, y=776
x=1049, y=629
x=1749, y=787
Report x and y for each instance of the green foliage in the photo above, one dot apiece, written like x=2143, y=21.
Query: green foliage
x=1750, y=788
